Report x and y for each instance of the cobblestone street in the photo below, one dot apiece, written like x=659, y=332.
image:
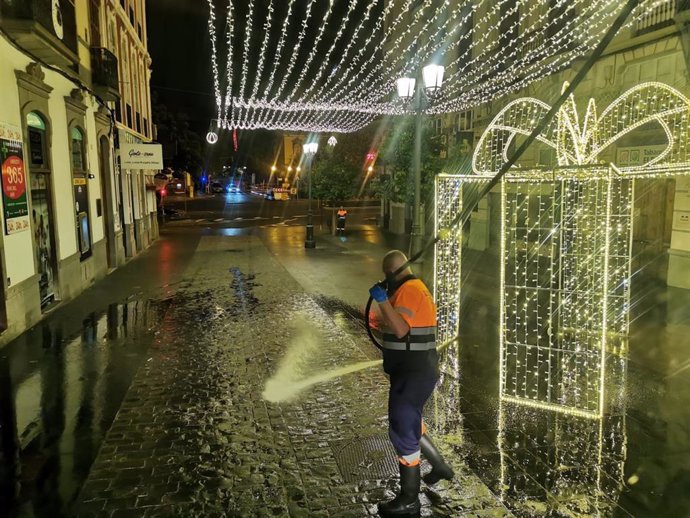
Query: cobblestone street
x=195, y=437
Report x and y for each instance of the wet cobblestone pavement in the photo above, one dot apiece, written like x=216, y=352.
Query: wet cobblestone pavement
x=194, y=436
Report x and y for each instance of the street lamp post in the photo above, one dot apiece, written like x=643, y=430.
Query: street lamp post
x=408, y=88
x=310, y=150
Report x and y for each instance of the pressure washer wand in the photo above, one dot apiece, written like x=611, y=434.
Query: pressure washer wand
x=466, y=212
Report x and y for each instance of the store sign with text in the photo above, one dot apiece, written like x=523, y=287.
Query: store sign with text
x=636, y=156
x=14, y=192
x=141, y=156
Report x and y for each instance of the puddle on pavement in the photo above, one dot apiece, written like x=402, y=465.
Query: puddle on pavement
x=61, y=387
x=201, y=309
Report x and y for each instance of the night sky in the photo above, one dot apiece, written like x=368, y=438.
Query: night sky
x=181, y=53
x=182, y=80
x=180, y=49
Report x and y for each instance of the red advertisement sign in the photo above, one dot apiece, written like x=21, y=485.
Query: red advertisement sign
x=14, y=196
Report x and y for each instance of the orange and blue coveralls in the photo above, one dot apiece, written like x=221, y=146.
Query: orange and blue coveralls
x=412, y=364
x=342, y=214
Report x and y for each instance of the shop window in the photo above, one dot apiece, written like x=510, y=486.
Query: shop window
x=41, y=209
x=81, y=192
x=77, y=138
x=38, y=158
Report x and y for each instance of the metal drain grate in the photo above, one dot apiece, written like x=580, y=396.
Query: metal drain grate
x=365, y=458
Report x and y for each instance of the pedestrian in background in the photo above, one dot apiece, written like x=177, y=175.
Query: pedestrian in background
x=342, y=215
x=408, y=315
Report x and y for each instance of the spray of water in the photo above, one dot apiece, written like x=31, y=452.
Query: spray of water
x=298, y=369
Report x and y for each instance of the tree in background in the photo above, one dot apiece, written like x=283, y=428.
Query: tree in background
x=334, y=180
x=182, y=147
x=397, y=153
x=339, y=172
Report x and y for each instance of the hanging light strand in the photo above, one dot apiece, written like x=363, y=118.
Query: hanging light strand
x=354, y=62
x=295, y=52
x=214, y=56
x=484, y=64
x=229, y=69
x=264, y=46
x=279, y=50
x=315, y=46
x=245, y=47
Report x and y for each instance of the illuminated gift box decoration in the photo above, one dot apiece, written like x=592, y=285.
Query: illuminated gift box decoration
x=566, y=237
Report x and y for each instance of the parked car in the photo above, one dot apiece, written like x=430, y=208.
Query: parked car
x=175, y=187
x=216, y=187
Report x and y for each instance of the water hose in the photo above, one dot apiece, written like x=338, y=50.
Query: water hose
x=467, y=210
x=367, y=312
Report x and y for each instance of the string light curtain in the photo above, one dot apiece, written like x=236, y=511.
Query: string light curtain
x=332, y=65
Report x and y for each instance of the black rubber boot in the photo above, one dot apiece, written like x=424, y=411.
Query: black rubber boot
x=407, y=501
x=439, y=469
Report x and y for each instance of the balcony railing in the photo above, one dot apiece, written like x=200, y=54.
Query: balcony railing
x=42, y=24
x=658, y=14
x=105, y=73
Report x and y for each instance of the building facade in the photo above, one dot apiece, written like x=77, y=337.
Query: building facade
x=69, y=214
x=123, y=33
x=654, y=47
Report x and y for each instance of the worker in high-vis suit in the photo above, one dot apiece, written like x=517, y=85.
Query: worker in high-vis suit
x=342, y=216
x=410, y=359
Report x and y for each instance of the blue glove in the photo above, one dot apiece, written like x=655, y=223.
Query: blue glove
x=378, y=293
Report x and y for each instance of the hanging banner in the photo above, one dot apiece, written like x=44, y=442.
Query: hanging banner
x=141, y=156
x=14, y=193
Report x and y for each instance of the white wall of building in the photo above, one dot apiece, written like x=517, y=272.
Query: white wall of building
x=94, y=165
x=19, y=247
x=61, y=169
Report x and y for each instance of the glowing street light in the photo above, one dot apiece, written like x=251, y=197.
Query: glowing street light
x=433, y=78
x=406, y=87
x=409, y=88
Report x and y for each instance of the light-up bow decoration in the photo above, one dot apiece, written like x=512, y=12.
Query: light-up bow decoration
x=579, y=145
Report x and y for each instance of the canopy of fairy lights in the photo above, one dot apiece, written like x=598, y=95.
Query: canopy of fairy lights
x=332, y=65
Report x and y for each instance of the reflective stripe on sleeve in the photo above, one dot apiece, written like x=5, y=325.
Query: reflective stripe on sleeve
x=404, y=311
